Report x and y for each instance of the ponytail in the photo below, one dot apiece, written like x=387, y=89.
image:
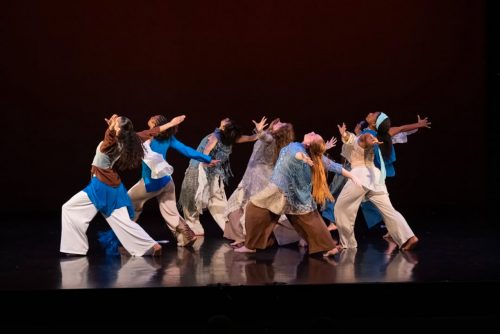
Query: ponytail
x=320, y=190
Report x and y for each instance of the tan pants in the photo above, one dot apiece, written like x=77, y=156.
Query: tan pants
x=346, y=209
x=260, y=225
x=76, y=216
x=217, y=203
x=166, y=201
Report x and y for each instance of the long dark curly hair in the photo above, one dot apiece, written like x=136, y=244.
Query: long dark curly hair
x=384, y=136
x=230, y=133
x=129, y=146
x=282, y=137
x=159, y=120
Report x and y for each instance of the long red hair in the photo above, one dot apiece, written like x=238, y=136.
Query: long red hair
x=320, y=190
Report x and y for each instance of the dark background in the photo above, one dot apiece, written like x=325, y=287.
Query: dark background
x=65, y=66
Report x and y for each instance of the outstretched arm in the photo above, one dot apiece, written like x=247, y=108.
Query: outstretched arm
x=173, y=122
x=351, y=176
x=147, y=134
x=367, y=140
x=259, y=127
x=332, y=166
x=246, y=139
x=188, y=152
x=421, y=123
x=331, y=143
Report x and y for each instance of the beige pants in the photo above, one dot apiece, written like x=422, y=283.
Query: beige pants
x=346, y=209
x=217, y=203
x=76, y=216
x=166, y=201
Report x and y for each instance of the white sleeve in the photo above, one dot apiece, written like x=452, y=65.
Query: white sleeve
x=159, y=167
x=402, y=137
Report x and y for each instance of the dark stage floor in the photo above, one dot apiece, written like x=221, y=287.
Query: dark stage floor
x=458, y=261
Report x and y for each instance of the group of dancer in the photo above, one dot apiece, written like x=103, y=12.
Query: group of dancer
x=277, y=201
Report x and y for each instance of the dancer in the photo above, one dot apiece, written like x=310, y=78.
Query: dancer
x=121, y=148
x=203, y=187
x=391, y=135
x=373, y=189
x=379, y=125
x=295, y=189
x=163, y=188
x=257, y=174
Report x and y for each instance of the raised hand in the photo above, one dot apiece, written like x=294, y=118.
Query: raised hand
x=423, y=122
x=177, y=120
x=342, y=129
x=331, y=143
x=111, y=119
x=359, y=127
x=372, y=139
x=261, y=125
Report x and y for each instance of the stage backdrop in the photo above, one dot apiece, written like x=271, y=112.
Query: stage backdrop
x=66, y=65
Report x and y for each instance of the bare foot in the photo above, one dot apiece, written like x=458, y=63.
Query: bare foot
x=237, y=244
x=185, y=235
x=244, y=249
x=332, y=227
x=388, y=237
x=391, y=246
x=332, y=252
x=156, y=250
x=410, y=244
x=189, y=243
x=123, y=251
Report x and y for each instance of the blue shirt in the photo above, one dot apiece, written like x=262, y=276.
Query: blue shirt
x=388, y=162
x=107, y=199
x=294, y=177
x=161, y=146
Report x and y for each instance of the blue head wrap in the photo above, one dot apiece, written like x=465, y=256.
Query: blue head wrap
x=381, y=117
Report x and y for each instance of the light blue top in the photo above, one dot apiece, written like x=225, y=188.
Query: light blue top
x=220, y=152
x=294, y=177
